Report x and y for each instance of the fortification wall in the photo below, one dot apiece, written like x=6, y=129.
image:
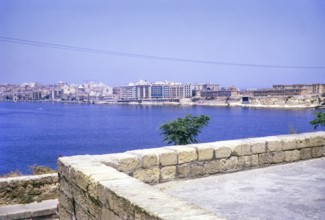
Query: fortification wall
x=303, y=101
x=306, y=101
x=28, y=189
x=113, y=186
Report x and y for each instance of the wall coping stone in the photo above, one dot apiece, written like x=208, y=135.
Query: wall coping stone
x=42, y=210
x=27, y=177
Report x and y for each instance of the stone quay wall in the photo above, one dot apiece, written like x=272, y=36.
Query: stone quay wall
x=118, y=186
x=28, y=189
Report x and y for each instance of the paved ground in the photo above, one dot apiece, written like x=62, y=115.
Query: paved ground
x=41, y=210
x=291, y=191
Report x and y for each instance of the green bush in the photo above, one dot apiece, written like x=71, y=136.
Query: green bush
x=319, y=120
x=183, y=131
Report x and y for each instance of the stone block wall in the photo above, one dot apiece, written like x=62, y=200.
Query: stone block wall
x=28, y=189
x=113, y=186
x=91, y=190
x=191, y=161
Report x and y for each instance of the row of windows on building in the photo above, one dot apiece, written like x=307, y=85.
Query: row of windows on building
x=151, y=92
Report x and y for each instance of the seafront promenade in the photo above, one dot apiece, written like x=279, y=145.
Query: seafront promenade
x=275, y=102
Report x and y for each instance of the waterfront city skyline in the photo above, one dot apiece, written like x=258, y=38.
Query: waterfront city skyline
x=278, y=33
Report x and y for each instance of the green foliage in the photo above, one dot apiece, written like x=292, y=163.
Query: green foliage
x=319, y=119
x=183, y=131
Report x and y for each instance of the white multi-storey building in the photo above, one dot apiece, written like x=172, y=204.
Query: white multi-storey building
x=144, y=90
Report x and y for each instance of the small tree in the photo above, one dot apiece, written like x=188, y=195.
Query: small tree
x=183, y=131
x=319, y=119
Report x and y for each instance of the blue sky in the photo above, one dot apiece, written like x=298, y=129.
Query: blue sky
x=277, y=32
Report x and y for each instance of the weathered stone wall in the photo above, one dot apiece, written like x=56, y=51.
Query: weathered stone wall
x=306, y=101
x=27, y=189
x=113, y=186
x=191, y=161
x=92, y=190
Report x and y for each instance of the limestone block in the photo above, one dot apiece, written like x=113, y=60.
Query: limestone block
x=291, y=156
x=302, y=141
x=108, y=214
x=289, y=142
x=83, y=214
x=150, y=175
x=278, y=156
x=205, y=151
x=49, y=191
x=65, y=187
x=85, y=203
x=241, y=149
x=229, y=164
x=244, y=161
x=64, y=164
x=305, y=153
x=110, y=174
x=258, y=145
x=68, y=162
x=167, y=157
x=317, y=139
x=254, y=160
x=317, y=151
x=64, y=214
x=15, y=214
x=65, y=202
x=264, y=158
x=46, y=211
x=80, y=173
x=183, y=171
x=222, y=152
x=116, y=195
x=127, y=163
x=148, y=157
x=61, y=167
x=140, y=214
x=273, y=144
x=185, y=153
x=122, y=207
x=212, y=167
x=222, y=149
x=312, y=139
x=197, y=169
x=167, y=173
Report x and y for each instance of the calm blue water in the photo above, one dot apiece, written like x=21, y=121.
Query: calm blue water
x=37, y=133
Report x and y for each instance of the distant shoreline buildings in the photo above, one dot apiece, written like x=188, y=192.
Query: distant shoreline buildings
x=142, y=91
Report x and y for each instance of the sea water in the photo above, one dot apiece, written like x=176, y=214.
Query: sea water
x=39, y=132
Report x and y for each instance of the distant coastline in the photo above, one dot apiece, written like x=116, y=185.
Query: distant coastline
x=294, y=102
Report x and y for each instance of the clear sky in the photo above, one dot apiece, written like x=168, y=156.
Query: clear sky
x=262, y=32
